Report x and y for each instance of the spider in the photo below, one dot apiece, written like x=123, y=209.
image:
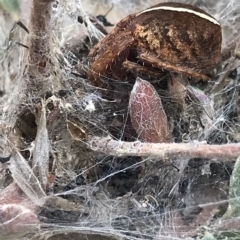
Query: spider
x=175, y=37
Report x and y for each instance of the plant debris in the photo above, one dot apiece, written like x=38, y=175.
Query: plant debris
x=152, y=158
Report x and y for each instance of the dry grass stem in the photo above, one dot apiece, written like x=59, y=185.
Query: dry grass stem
x=164, y=151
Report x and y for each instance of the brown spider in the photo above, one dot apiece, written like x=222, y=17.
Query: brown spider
x=171, y=36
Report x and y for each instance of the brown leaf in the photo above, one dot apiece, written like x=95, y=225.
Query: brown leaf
x=17, y=213
x=147, y=114
x=177, y=91
x=16, y=219
x=76, y=131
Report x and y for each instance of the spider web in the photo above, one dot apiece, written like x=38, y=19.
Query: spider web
x=97, y=196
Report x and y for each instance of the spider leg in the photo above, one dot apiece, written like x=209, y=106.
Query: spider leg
x=108, y=63
x=152, y=59
x=138, y=69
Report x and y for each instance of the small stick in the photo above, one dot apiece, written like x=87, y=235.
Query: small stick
x=164, y=151
x=40, y=36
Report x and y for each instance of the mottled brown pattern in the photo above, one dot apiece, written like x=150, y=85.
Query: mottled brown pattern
x=177, y=41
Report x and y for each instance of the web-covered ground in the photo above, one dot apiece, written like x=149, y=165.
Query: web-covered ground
x=57, y=186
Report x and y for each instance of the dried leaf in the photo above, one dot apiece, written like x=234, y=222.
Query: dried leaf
x=25, y=178
x=234, y=192
x=17, y=213
x=177, y=91
x=202, y=99
x=16, y=220
x=51, y=179
x=76, y=131
x=41, y=150
x=147, y=114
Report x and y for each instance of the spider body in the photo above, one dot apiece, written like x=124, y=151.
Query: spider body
x=169, y=36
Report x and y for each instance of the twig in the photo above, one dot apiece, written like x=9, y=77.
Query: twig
x=35, y=68
x=38, y=70
x=40, y=35
x=164, y=151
